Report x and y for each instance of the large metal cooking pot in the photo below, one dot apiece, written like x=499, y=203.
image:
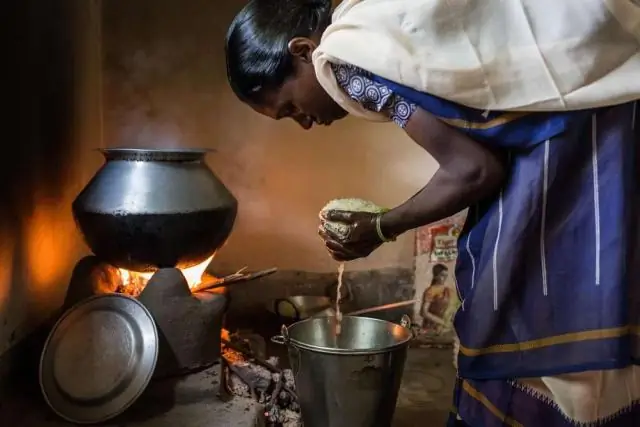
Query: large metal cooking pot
x=154, y=208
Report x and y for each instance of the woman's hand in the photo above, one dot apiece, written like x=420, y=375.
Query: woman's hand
x=360, y=239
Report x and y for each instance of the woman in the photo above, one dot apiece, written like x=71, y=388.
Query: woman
x=548, y=261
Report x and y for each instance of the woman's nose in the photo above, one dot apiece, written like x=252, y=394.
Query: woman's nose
x=305, y=121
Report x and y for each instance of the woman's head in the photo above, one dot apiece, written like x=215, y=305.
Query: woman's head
x=268, y=51
x=440, y=273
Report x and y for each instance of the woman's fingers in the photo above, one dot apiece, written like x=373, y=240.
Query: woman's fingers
x=339, y=252
x=339, y=216
x=327, y=234
x=343, y=258
x=337, y=256
x=341, y=249
x=335, y=246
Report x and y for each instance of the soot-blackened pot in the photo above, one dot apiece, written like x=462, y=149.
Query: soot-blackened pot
x=153, y=208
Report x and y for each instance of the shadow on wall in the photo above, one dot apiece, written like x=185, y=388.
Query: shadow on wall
x=38, y=243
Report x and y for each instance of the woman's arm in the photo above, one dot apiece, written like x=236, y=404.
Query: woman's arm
x=468, y=173
x=426, y=302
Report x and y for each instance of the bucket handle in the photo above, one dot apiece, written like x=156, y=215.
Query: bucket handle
x=283, y=338
x=405, y=321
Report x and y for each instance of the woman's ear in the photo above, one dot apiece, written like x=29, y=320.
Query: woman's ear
x=302, y=48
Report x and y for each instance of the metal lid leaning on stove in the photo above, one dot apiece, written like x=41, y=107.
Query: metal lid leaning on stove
x=99, y=358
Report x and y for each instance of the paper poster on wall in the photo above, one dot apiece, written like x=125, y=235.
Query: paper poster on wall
x=436, y=291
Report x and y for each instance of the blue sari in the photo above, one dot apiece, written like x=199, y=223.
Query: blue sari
x=548, y=268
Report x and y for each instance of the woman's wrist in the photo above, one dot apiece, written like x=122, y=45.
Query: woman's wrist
x=390, y=226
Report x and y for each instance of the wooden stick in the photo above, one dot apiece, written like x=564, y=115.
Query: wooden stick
x=382, y=307
x=233, y=278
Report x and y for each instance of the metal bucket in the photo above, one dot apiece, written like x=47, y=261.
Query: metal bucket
x=351, y=379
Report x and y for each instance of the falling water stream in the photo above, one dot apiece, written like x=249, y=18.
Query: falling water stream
x=338, y=298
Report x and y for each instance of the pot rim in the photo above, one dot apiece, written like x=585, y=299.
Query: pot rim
x=177, y=154
x=201, y=150
x=286, y=339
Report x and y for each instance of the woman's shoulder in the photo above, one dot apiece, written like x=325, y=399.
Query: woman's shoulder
x=371, y=94
x=345, y=72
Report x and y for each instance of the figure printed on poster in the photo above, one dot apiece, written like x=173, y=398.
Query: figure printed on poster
x=435, y=300
x=436, y=253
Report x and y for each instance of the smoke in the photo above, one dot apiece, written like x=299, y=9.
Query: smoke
x=138, y=130
x=142, y=109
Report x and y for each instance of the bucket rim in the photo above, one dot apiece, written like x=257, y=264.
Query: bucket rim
x=345, y=351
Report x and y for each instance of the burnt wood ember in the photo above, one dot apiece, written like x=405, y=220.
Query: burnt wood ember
x=236, y=351
x=251, y=376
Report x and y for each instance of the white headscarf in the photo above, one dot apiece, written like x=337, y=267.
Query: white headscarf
x=518, y=55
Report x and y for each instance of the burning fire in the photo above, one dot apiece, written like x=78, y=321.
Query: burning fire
x=230, y=355
x=133, y=282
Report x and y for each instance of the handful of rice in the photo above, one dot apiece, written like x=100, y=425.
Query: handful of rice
x=347, y=205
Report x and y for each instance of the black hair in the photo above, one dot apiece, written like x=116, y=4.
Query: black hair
x=439, y=268
x=257, y=42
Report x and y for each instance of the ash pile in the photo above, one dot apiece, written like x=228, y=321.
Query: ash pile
x=248, y=374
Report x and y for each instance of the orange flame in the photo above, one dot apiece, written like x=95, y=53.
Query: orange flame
x=133, y=282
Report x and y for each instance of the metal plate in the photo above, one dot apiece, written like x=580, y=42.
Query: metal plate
x=98, y=358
